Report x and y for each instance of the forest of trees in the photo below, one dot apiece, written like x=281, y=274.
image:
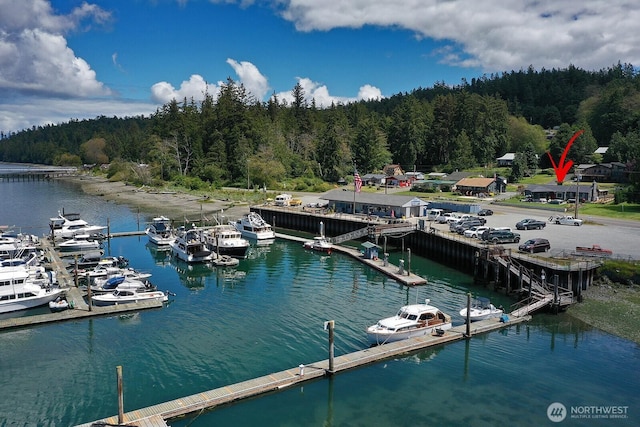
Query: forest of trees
x=234, y=139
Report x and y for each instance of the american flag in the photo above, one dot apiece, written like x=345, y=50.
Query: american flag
x=357, y=181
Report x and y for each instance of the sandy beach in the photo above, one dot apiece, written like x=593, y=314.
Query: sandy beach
x=173, y=204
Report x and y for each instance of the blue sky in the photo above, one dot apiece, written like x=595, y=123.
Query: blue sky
x=68, y=59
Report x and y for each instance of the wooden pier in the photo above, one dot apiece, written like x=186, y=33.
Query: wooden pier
x=210, y=399
x=402, y=276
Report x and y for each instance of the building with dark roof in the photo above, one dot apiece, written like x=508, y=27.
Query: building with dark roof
x=383, y=205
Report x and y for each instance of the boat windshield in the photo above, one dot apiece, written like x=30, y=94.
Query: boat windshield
x=405, y=315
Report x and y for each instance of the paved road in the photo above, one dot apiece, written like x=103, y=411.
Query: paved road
x=621, y=236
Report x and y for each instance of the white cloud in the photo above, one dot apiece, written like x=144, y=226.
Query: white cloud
x=34, y=56
x=320, y=93
x=250, y=77
x=493, y=34
x=194, y=88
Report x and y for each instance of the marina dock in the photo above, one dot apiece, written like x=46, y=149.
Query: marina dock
x=207, y=400
x=403, y=276
x=75, y=296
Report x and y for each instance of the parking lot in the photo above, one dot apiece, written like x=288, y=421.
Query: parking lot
x=622, y=237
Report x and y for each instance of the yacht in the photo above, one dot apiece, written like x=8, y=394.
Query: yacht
x=160, y=231
x=411, y=321
x=19, y=291
x=190, y=246
x=66, y=226
x=81, y=242
x=252, y=226
x=225, y=239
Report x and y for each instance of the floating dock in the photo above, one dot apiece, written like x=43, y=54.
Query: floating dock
x=210, y=399
x=401, y=275
x=75, y=296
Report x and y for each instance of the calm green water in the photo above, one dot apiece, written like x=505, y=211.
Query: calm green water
x=225, y=326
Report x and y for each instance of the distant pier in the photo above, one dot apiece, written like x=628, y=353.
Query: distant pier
x=35, y=173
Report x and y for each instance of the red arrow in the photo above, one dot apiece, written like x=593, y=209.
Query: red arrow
x=562, y=168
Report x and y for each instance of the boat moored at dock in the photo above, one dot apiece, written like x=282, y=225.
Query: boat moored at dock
x=253, y=226
x=190, y=246
x=125, y=296
x=160, y=231
x=481, y=309
x=20, y=291
x=411, y=321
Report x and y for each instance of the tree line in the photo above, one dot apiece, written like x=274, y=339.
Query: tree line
x=233, y=139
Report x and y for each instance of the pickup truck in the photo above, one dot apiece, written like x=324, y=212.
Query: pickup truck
x=567, y=220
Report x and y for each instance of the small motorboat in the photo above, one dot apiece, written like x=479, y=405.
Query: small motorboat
x=481, y=309
x=320, y=244
x=411, y=321
x=225, y=261
x=126, y=296
x=59, y=304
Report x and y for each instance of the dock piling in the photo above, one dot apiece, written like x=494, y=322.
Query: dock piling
x=120, y=395
x=330, y=325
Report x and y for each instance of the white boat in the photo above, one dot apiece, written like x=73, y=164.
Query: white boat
x=252, y=226
x=66, y=226
x=17, y=245
x=320, y=244
x=225, y=239
x=59, y=304
x=121, y=283
x=190, y=246
x=411, y=321
x=81, y=242
x=160, y=231
x=108, y=278
x=126, y=296
x=19, y=291
x=481, y=309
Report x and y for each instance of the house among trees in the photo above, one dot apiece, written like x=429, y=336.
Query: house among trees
x=603, y=172
x=400, y=181
x=393, y=170
x=415, y=175
x=374, y=178
x=506, y=159
x=586, y=192
x=476, y=186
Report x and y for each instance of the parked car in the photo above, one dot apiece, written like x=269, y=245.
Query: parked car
x=535, y=245
x=530, y=224
x=465, y=225
x=476, y=231
x=500, y=236
x=485, y=212
x=447, y=217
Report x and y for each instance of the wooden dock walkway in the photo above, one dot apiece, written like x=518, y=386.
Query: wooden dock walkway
x=75, y=296
x=405, y=277
x=290, y=377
